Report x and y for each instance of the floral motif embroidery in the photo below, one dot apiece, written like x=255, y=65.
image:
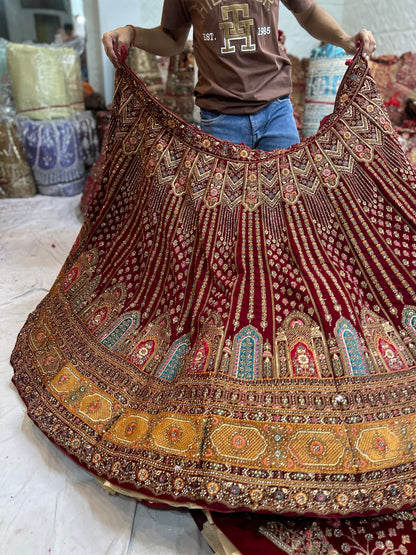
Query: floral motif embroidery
x=233, y=327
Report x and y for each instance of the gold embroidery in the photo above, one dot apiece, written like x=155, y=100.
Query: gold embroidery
x=237, y=29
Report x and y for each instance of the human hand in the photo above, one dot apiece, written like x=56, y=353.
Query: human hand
x=116, y=44
x=363, y=37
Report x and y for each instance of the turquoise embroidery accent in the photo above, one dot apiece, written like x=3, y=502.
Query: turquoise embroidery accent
x=248, y=348
x=351, y=348
x=126, y=323
x=409, y=319
x=174, y=357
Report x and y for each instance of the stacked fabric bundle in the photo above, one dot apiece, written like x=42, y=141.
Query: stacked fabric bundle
x=395, y=78
x=59, y=137
x=15, y=176
x=326, y=70
x=46, y=81
x=179, y=94
x=396, y=81
x=58, y=151
x=299, y=77
x=145, y=65
x=6, y=101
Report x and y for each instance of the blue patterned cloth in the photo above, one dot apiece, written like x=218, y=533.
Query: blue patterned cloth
x=59, y=151
x=326, y=70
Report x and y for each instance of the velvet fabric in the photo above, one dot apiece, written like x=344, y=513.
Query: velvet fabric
x=235, y=329
x=250, y=534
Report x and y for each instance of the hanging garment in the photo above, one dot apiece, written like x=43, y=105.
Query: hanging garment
x=235, y=329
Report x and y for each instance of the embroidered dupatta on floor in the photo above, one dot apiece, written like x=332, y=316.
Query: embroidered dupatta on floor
x=236, y=329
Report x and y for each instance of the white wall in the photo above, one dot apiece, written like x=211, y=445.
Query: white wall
x=112, y=14
x=298, y=42
x=393, y=23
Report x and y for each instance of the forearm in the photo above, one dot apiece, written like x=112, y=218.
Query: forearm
x=160, y=41
x=157, y=41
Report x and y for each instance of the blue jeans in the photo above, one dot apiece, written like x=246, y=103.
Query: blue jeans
x=272, y=127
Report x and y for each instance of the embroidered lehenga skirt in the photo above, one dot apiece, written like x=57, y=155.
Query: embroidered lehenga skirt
x=236, y=329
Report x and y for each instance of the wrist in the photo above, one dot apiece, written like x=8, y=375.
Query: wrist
x=133, y=38
x=345, y=41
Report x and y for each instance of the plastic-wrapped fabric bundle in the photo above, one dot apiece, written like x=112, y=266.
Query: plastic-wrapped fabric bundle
x=146, y=67
x=15, y=175
x=179, y=94
x=88, y=138
x=6, y=97
x=54, y=152
x=46, y=81
x=299, y=76
x=326, y=70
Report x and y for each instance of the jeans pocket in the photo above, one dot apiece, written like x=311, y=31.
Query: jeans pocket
x=209, y=117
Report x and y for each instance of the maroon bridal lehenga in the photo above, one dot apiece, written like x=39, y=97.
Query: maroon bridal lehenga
x=235, y=329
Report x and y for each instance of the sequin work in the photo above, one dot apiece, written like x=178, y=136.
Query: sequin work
x=236, y=328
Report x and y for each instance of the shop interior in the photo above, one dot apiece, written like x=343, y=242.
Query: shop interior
x=56, y=91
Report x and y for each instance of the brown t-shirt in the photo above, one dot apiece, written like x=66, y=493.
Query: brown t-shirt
x=241, y=66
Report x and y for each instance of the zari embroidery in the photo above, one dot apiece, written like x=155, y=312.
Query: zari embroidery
x=235, y=328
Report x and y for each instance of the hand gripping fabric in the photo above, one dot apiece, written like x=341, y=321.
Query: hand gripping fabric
x=236, y=329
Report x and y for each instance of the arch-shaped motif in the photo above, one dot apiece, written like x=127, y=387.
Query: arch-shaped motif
x=303, y=360
x=247, y=354
x=124, y=325
x=409, y=319
x=144, y=349
x=174, y=358
x=390, y=354
x=350, y=347
x=203, y=356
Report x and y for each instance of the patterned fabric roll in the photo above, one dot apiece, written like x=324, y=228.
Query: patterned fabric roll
x=325, y=72
x=46, y=81
x=16, y=178
x=179, y=93
x=87, y=136
x=6, y=97
x=297, y=97
x=146, y=67
x=55, y=155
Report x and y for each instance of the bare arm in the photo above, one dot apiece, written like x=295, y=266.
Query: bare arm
x=320, y=25
x=158, y=41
